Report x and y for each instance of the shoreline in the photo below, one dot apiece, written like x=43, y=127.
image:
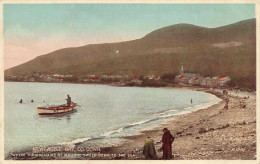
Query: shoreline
x=197, y=133
x=184, y=127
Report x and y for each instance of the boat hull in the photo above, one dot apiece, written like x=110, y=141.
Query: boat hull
x=55, y=109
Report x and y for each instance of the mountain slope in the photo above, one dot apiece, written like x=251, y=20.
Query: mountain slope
x=228, y=50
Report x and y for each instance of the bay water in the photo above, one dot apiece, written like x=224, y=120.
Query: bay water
x=105, y=112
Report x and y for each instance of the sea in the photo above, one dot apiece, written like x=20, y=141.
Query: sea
x=105, y=113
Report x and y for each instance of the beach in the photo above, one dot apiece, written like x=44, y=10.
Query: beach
x=211, y=133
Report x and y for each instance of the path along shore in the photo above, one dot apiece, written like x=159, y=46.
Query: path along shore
x=211, y=133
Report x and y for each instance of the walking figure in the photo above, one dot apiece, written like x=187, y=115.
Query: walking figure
x=167, y=140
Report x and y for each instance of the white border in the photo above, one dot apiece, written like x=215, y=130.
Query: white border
x=257, y=9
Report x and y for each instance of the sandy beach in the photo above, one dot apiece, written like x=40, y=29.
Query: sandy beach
x=211, y=133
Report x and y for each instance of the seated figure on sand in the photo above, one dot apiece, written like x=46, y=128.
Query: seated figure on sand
x=149, y=149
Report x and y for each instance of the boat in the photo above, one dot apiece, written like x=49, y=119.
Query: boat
x=55, y=109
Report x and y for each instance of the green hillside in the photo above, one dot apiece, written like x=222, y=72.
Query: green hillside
x=228, y=50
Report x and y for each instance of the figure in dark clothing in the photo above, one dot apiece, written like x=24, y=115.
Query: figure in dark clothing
x=21, y=101
x=227, y=100
x=167, y=140
x=226, y=105
x=68, y=100
x=149, y=149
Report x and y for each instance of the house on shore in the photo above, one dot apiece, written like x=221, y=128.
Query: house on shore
x=136, y=81
x=198, y=80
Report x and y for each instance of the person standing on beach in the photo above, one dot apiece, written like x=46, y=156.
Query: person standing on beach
x=191, y=101
x=226, y=106
x=149, y=149
x=167, y=140
x=243, y=104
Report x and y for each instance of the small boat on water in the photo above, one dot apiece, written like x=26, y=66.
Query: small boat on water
x=56, y=109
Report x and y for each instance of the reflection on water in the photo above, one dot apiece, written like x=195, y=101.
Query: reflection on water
x=68, y=118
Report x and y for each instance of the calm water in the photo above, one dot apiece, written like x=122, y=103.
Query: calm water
x=105, y=112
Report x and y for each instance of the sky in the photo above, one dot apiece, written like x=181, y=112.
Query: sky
x=31, y=30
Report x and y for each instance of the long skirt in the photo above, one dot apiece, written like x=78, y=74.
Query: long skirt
x=167, y=152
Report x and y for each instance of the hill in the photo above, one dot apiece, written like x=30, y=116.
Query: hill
x=227, y=50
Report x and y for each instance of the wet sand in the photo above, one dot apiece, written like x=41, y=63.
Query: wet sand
x=211, y=133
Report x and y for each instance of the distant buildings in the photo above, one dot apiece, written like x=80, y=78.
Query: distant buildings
x=136, y=81
x=153, y=77
x=123, y=80
x=91, y=78
x=198, y=80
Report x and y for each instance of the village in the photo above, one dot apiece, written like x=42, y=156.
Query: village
x=183, y=78
x=117, y=80
x=203, y=81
